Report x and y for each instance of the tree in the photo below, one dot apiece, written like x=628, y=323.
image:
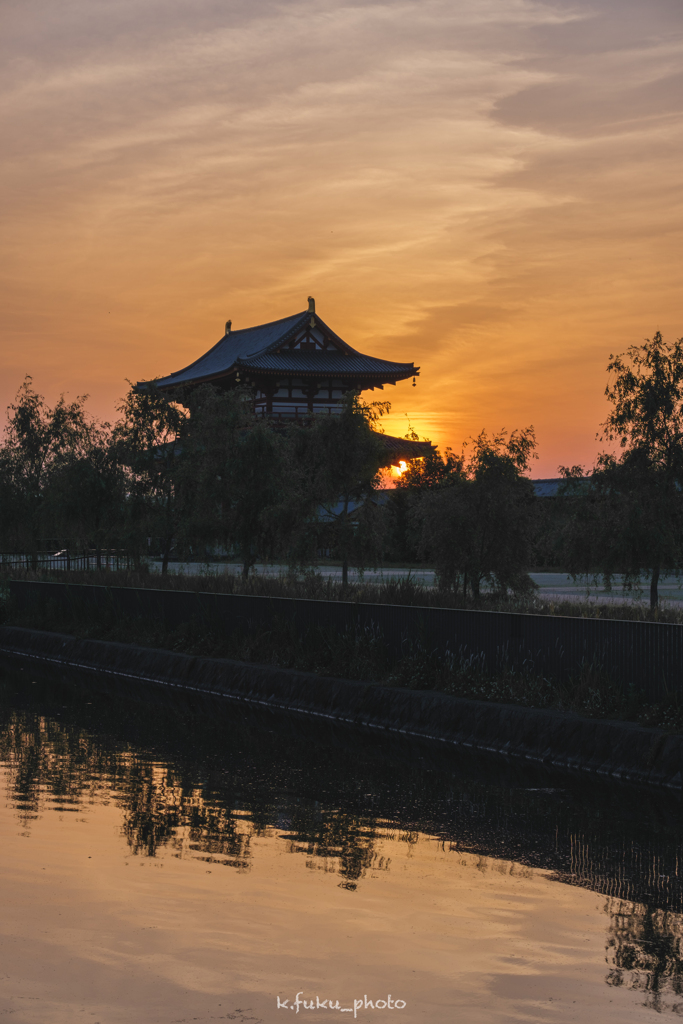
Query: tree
x=149, y=441
x=39, y=442
x=555, y=517
x=86, y=499
x=433, y=470
x=632, y=519
x=478, y=525
x=419, y=478
x=341, y=456
x=234, y=476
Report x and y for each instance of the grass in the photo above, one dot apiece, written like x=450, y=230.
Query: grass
x=312, y=585
x=362, y=654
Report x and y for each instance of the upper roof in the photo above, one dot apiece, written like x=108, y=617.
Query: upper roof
x=259, y=349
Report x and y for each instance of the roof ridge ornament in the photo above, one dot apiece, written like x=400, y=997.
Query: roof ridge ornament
x=228, y=326
x=311, y=304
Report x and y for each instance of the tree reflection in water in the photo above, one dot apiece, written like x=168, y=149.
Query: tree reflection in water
x=205, y=785
x=340, y=836
x=50, y=766
x=644, y=952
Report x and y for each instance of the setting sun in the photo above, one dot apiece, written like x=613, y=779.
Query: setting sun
x=399, y=470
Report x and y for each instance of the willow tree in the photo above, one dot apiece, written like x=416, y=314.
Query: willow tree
x=149, y=441
x=340, y=459
x=419, y=478
x=39, y=441
x=631, y=522
x=86, y=501
x=233, y=476
x=478, y=525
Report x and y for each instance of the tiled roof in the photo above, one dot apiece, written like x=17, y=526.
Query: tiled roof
x=404, y=448
x=254, y=348
x=553, y=487
x=547, y=488
x=233, y=346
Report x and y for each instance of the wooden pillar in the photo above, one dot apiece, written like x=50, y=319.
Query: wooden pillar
x=310, y=392
x=268, y=388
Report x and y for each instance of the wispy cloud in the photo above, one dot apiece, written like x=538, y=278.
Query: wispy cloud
x=490, y=188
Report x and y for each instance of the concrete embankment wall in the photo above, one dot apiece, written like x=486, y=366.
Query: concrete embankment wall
x=559, y=740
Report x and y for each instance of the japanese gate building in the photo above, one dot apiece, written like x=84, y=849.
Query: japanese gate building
x=297, y=367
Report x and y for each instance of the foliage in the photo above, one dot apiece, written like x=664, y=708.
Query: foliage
x=149, y=441
x=39, y=443
x=477, y=525
x=339, y=458
x=419, y=478
x=87, y=497
x=197, y=471
x=632, y=519
x=312, y=585
x=434, y=470
x=235, y=476
x=361, y=653
x=646, y=396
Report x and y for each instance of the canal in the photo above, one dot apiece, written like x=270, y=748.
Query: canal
x=168, y=860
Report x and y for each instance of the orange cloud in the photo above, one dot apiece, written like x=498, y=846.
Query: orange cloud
x=488, y=189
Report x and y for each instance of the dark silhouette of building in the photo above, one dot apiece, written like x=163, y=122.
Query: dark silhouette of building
x=297, y=367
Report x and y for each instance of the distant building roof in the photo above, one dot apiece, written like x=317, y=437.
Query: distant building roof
x=298, y=345
x=550, y=488
x=547, y=488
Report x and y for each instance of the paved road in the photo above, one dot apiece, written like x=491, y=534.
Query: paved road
x=551, y=584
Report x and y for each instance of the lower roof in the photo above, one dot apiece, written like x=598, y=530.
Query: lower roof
x=402, y=449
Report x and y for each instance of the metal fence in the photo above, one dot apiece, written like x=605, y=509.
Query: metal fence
x=644, y=655
x=65, y=560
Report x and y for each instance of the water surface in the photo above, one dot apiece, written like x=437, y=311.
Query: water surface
x=166, y=860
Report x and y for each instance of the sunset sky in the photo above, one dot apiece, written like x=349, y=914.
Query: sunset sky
x=490, y=188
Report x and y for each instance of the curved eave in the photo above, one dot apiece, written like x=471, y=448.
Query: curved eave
x=395, y=371
x=169, y=384
x=403, y=449
x=351, y=374
x=166, y=384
